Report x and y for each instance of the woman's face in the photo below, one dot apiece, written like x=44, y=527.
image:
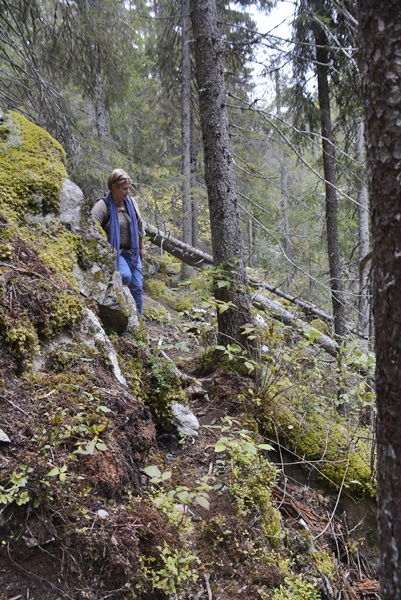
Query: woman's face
x=120, y=193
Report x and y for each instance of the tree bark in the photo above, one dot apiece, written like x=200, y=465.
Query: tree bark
x=380, y=35
x=333, y=246
x=186, y=271
x=363, y=326
x=226, y=233
x=284, y=174
x=100, y=110
x=184, y=252
x=194, y=170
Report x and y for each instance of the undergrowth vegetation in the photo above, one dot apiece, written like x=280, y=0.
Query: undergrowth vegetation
x=95, y=475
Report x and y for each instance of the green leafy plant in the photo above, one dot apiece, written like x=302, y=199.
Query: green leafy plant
x=14, y=490
x=155, y=475
x=296, y=588
x=219, y=306
x=252, y=478
x=60, y=472
x=89, y=447
x=184, y=494
x=238, y=356
x=243, y=444
x=175, y=571
x=80, y=426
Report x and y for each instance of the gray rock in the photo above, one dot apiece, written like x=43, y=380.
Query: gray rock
x=88, y=332
x=151, y=267
x=94, y=335
x=185, y=420
x=117, y=309
x=4, y=437
x=71, y=200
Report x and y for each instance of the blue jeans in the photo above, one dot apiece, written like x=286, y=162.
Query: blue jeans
x=130, y=268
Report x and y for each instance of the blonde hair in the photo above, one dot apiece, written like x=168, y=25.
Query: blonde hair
x=118, y=177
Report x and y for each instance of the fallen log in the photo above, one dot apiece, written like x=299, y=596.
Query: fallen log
x=307, y=307
x=196, y=258
x=188, y=254
x=279, y=313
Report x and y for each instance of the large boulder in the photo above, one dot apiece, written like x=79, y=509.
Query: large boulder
x=87, y=333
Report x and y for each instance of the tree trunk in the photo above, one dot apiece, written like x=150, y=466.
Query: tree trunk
x=251, y=242
x=333, y=246
x=380, y=31
x=364, y=240
x=194, y=170
x=100, y=108
x=226, y=233
x=186, y=271
x=284, y=170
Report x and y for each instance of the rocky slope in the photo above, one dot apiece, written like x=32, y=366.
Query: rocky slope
x=100, y=495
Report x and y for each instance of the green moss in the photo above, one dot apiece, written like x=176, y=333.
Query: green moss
x=59, y=252
x=19, y=334
x=153, y=311
x=321, y=326
x=67, y=310
x=252, y=487
x=169, y=265
x=22, y=339
x=252, y=481
x=325, y=563
x=31, y=167
x=183, y=303
x=296, y=587
x=87, y=253
x=159, y=290
x=338, y=456
x=172, y=268
x=6, y=251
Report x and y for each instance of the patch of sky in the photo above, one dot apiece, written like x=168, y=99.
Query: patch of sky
x=275, y=29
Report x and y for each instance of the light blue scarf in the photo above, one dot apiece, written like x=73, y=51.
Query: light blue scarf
x=115, y=227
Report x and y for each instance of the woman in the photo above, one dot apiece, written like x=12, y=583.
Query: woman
x=119, y=216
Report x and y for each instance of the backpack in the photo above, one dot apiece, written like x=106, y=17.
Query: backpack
x=106, y=200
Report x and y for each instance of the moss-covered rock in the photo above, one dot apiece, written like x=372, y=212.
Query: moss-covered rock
x=159, y=290
x=338, y=455
x=31, y=168
x=154, y=311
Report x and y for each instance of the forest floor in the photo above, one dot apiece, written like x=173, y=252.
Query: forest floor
x=313, y=518
x=312, y=521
